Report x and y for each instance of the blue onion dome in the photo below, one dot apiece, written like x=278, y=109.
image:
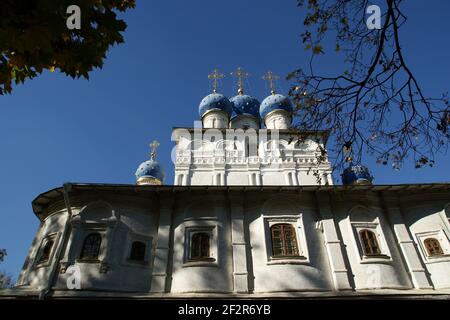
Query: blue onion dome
x=150, y=172
x=356, y=174
x=215, y=101
x=275, y=102
x=245, y=105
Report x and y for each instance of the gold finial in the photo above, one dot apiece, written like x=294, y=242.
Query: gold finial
x=271, y=78
x=240, y=74
x=215, y=75
x=153, y=147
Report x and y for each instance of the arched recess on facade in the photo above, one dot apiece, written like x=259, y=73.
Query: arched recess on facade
x=369, y=236
x=99, y=218
x=97, y=211
x=279, y=204
x=361, y=213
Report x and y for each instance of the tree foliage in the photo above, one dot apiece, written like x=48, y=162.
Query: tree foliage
x=34, y=36
x=376, y=104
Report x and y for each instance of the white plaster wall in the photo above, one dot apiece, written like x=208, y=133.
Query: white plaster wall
x=133, y=223
x=273, y=178
x=135, y=216
x=244, y=121
x=423, y=216
x=372, y=273
x=237, y=178
x=201, y=211
x=311, y=275
x=278, y=119
x=215, y=119
x=204, y=177
x=38, y=276
x=198, y=159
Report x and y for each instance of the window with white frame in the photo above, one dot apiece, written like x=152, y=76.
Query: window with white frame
x=200, y=246
x=46, y=250
x=370, y=242
x=434, y=245
x=200, y=243
x=285, y=239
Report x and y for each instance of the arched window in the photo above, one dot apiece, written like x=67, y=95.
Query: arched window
x=284, y=240
x=91, y=247
x=46, y=250
x=370, y=243
x=200, y=246
x=137, y=251
x=433, y=247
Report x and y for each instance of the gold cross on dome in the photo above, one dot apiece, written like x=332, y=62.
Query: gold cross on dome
x=240, y=74
x=215, y=75
x=153, y=146
x=271, y=78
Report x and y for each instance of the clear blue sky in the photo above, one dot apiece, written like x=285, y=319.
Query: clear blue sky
x=54, y=129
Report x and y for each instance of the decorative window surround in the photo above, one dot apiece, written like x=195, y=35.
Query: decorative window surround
x=148, y=241
x=384, y=256
x=202, y=225
x=443, y=241
x=297, y=222
x=50, y=237
x=106, y=231
x=102, y=252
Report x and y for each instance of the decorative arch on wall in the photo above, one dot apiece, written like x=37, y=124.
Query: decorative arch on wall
x=369, y=239
x=361, y=213
x=273, y=203
x=95, y=217
x=284, y=211
x=200, y=208
x=101, y=210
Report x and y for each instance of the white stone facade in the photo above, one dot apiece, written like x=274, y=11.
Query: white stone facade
x=246, y=157
x=326, y=221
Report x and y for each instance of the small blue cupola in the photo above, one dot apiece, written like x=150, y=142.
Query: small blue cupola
x=356, y=174
x=276, y=110
x=150, y=172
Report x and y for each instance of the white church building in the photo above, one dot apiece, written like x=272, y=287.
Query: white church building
x=251, y=213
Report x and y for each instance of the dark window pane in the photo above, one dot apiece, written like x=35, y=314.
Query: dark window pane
x=433, y=247
x=137, y=251
x=369, y=242
x=45, y=251
x=200, y=246
x=284, y=240
x=91, y=246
